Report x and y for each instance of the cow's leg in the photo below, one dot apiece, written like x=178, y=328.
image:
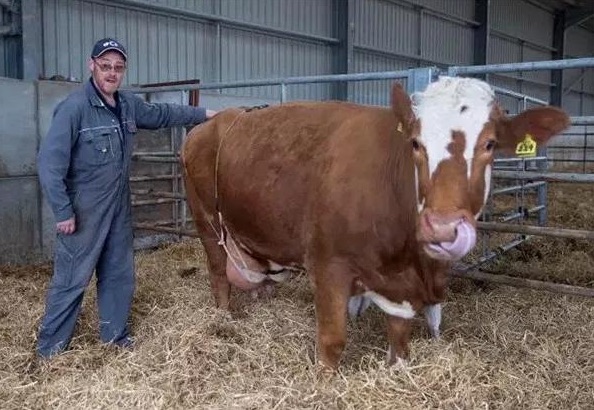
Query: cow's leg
x=399, y=330
x=219, y=284
x=216, y=257
x=433, y=318
x=332, y=291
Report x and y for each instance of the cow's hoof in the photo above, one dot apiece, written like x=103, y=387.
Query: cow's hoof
x=326, y=371
x=395, y=361
x=399, y=364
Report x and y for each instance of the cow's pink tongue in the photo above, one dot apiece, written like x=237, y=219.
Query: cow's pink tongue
x=464, y=242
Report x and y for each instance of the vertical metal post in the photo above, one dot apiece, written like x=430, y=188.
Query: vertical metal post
x=342, y=58
x=283, y=92
x=420, y=31
x=420, y=78
x=481, y=33
x=219, y=46
x=559, y=46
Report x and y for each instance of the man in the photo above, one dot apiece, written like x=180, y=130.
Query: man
x=84, y=167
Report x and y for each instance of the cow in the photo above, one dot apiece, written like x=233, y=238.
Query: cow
x=374, y=203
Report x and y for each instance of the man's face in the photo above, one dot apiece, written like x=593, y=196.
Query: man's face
x=108, y=71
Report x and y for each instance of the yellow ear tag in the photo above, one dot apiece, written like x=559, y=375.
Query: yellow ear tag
x=399, y=129
x=526, y=147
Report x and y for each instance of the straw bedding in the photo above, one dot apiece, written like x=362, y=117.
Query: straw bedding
x=501, y=347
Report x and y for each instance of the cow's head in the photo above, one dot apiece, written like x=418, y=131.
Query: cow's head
x=455, y=127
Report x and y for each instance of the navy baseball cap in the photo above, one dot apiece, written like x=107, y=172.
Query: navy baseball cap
x=108, y=44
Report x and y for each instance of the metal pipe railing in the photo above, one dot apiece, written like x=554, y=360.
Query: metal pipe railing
x=536, y=230
x=515, y=188
x=544, y=176
x=314, y=79
x=585, y=62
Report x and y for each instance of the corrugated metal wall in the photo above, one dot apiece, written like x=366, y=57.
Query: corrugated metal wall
x=166, y=48
x=513, y=40
x=3, y=55
x=10, y=45
x=579, y=84
x=396, y=35
x=174, y=40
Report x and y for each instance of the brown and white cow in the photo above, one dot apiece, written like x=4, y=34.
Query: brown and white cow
x=374, y=203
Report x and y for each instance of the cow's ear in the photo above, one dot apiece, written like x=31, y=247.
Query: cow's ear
x=540, y=123
x=402, y=105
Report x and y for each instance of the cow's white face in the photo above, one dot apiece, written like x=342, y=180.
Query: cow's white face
x=454, y=127
x=453, y=113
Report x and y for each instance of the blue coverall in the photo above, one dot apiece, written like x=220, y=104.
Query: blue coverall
x=84, y=167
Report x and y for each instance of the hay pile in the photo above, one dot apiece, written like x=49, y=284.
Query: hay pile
x=501, y=348
x=559, y=260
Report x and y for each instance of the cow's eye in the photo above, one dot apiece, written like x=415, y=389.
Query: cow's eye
x=415, y=145
x=490, y=145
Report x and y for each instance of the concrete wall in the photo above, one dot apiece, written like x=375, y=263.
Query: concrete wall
x=20, y=219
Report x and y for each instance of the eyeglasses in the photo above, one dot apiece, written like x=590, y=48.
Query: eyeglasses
x=105, y=67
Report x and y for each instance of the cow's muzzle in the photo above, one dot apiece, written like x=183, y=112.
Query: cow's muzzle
x=447, y=237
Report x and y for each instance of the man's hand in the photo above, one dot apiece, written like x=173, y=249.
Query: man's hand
x=210, y=113
x=66, y=227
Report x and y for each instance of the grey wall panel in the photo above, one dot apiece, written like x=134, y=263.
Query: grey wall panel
x=446, y=41
x=255, y=56
x=49, y=94
x=588, y=105
x=542, y=92
x=503, y=50
x=18, y=128
x=19, y=220
x=161, y=48
x=11, y=60
x=374, y=92
x=572, y=102
x=388, y=26
x=459, y=8
x=203, y=6
x=531, y=54
x=443, y=37
x=579, y=42
x=524, y=20
x=306, y=16
x=3, y=39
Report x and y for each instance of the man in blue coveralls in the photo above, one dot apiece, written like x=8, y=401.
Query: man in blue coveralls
x=84, y=167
